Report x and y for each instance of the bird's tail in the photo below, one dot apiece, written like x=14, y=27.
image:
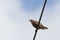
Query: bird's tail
x=45, y=28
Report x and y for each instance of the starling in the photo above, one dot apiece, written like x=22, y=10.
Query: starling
x=35, y=25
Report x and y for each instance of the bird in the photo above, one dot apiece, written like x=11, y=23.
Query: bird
x=35, y=25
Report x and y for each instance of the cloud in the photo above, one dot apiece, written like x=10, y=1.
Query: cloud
x=14, y=24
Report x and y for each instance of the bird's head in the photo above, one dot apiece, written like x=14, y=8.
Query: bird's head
x=30, y=20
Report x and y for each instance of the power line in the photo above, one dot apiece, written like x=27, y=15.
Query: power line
x=40, y=19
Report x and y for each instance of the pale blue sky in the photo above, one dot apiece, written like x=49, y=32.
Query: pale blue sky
x=32, y=5
x=14, y=24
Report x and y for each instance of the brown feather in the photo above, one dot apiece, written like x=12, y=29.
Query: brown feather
x=35, y=25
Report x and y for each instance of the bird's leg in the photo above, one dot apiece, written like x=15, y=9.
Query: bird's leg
x=35, y=34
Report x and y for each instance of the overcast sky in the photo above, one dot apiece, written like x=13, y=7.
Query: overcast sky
x=15, y=15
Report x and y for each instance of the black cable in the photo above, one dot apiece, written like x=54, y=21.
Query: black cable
x=40, y=18
x=35, y=34
x=42, y=11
